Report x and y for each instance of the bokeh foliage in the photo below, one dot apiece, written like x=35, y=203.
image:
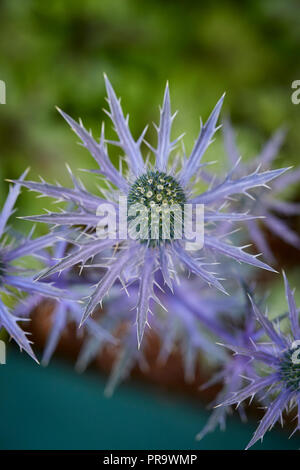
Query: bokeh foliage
x=54, y=53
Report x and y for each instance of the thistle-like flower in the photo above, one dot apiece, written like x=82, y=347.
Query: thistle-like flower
x=65, y=311
x=14, y=276
x=181, y=329
x=117, y=318
x=240, y=329
x=270, y=210
x=176, y=328
x=280, y=378
x=159, y=186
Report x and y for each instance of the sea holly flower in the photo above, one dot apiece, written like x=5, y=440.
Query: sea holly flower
x=14, y=276
x=65, y=311
x=220, y=320
x=117, y=318
x=176, y=327
x=280, y=365
x=161, y=186
x=128, y=358
x=236, y=325
x=266, y=204
x=180, y=327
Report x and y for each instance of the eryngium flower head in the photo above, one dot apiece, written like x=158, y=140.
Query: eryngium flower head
x=161, y=184
x=237, y=327
x=66, y=310
x=177, y=328
x=270, y=210
x=281, y=372
x=12, y=248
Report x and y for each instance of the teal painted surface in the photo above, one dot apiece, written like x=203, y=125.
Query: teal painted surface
x=54, y=408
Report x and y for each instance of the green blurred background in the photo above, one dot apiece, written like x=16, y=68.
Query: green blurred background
x=55, y=53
